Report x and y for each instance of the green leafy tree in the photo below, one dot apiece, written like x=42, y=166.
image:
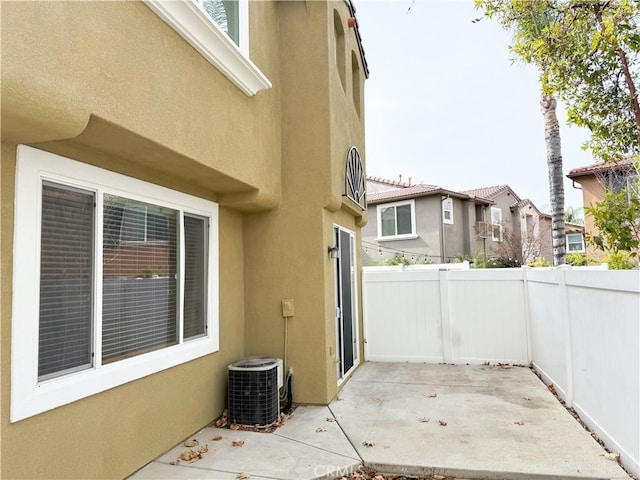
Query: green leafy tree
x=617, y=219
x=588, y=55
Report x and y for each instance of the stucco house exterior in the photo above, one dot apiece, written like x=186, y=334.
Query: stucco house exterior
x=171, y=172
x=432, y=223
x=594, y=180
x=437, y=225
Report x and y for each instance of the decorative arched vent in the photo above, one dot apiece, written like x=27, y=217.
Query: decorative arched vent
x=355, y=182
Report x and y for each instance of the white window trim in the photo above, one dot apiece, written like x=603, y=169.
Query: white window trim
x=404, y=236
x=191, y=22
x=493, y=224
x=582, y=249
x=448, y=200
x=28, y=397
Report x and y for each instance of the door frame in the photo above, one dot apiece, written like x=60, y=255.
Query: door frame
x=338, y=317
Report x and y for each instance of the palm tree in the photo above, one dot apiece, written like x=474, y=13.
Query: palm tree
x=556, y=179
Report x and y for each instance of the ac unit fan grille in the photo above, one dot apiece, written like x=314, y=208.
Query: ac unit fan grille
x=253, y=397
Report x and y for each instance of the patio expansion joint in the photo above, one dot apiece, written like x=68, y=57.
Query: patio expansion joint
x=355, y=449
x=315, y=447
x=204, y=469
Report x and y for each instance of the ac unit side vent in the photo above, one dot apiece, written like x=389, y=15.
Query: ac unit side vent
x=253, y=397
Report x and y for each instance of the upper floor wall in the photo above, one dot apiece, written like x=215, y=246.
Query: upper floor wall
x=125, y=86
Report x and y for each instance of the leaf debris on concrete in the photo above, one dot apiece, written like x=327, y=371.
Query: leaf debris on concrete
x=519, y=422
x=320, y=429
x=217, y=438
x=442, y=423
x=423, y=419
x=368, y=444
x=237, y=443
x=191, y=455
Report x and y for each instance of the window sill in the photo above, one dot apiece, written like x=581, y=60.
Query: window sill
x=192, y=24
x=397, y=237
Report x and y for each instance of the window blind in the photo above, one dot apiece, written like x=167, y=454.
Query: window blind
x=66, y=285
x=139, y=286
x=196, y=230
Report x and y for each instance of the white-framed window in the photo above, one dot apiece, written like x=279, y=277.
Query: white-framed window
x=447, y=210
x=397, y=221
x=496, y=224
x=219, y=30
x=114, y=279
x=575, y=243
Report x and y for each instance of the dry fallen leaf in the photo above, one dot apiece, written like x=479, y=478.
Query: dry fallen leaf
x=193, y=455
x=424, y=420
x=378, y=477
x=321, y=429
x=431, y=395
x=331, y=419
x=612, y=456
x=175, y=462
x=234, y=426
x=217, y=438
x=191, y=443
x=243, y=476
x=442, y=423
x=504, y=365
x=519, y=422
x=527, y=398
x=237, y=443
x=339, y=399
x=367, y=443
x=437, y=477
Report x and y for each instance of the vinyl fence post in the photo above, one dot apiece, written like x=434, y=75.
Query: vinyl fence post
x=527, y=312
x=445, y=317
x=566, y=319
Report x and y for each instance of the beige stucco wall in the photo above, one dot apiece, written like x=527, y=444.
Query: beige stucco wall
x=111, y=434
x=592, y=192
x=110, y=84
x=286, y=249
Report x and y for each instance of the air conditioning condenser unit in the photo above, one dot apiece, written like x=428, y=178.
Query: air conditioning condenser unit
x=253, y=397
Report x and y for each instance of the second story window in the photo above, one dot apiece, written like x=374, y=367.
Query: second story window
x=226, y=14
x=219, y=31
x=447, y=210
x=397, y=220
x=496, y=224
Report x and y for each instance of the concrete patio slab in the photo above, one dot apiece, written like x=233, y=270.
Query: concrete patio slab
x=465, y=421
x=306, y=447
x=471, y=422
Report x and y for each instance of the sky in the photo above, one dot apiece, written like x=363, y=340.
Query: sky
x=446, y=105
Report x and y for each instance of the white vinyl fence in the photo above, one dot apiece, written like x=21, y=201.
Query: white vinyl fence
x=579, y=329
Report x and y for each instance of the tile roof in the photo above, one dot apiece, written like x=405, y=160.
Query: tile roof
x=392, y=183
x=486, y=192
x=625, y=163
x=401, y=193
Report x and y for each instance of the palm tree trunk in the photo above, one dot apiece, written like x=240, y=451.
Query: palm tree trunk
x=556, y=178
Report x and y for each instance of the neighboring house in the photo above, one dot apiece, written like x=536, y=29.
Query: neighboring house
x=525, y=231
x=574, y=237
x=595, y=180
x=171, y=173
x=431, y=223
